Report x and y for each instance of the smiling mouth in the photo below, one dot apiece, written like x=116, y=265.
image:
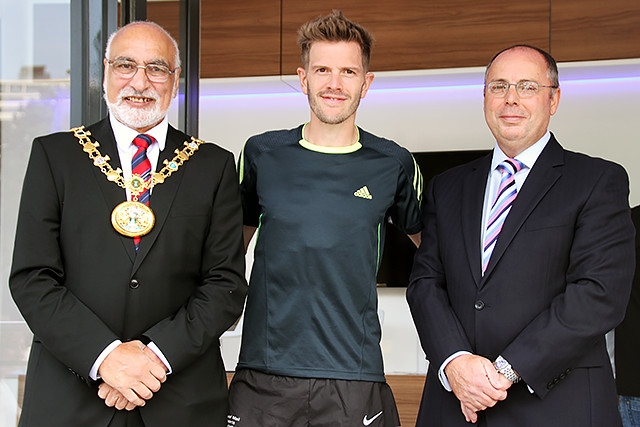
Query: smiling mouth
x=333, y=101
x=138, y=99
x=511, y=117
x=333, y=96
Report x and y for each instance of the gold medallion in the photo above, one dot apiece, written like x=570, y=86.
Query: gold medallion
x=132, y=219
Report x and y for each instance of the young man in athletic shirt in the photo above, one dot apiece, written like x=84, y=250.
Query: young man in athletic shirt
x=319, y=197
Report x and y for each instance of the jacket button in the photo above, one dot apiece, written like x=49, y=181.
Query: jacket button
x=479, y=305
x=134, y=284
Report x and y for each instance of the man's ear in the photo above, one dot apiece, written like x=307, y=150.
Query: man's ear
x=302, y=74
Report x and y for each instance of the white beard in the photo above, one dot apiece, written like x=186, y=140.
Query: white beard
x=136, y=118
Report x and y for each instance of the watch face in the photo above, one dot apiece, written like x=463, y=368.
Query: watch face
x=501, y=364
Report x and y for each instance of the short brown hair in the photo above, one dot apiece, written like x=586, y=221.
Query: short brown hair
x=334, y=27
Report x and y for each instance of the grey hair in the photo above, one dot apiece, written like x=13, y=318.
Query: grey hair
x=176, y=60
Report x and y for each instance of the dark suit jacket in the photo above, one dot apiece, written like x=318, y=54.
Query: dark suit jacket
x=558, y=280
x=80, y=285
x=627, y=334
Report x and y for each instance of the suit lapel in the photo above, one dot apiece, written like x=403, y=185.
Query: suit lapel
x=541, y=178
x=472, y=201
x=163, y=195
x=113, y=195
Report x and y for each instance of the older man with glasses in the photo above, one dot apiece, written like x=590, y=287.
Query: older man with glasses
x=129, y=261
x=526, y=262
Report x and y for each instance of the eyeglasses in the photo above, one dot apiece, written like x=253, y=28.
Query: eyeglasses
x=525, y=88
x=156, y=73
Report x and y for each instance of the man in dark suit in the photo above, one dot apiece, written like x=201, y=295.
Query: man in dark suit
x=512, y=312
x=128, y=295
x=627, y=346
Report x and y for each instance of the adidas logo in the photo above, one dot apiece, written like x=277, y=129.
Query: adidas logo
x=363, y=193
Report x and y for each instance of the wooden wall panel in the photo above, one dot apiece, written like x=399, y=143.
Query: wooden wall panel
x=237, y=38
x=240, y=38
x=595, y=29
x=407, y=389
x=258, y=37
x=418, y=34
x=167, y=14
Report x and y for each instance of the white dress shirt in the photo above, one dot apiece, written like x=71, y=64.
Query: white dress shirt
x=126, y=149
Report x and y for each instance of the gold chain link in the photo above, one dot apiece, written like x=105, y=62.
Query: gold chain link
x=136, y=184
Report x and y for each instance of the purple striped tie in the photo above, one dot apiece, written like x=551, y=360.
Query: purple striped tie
x=507, y=193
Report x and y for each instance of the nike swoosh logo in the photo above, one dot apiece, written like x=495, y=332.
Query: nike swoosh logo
x=366, y=421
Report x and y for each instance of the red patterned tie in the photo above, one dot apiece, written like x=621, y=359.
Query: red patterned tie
x=141, y=166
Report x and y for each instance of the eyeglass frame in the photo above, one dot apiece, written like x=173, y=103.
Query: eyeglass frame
x=138, y=67
x=521, y=94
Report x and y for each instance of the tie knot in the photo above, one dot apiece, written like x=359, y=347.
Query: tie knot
x=143, y=141
x=511, y=166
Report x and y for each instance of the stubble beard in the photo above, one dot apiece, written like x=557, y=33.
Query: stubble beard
x=338, y=118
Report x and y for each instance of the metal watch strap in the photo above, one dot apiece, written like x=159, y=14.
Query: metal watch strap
x=505, y=369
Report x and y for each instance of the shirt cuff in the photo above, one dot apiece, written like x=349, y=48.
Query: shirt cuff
x=153, y=347
x=441, y=375
x=93, y=373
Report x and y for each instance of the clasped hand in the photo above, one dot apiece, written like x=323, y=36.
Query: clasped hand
x=476, y=384
x=131, y=373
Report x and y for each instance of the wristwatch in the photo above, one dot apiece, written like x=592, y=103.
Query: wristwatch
x=505, y=369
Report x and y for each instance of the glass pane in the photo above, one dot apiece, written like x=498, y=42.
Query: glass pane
x=34, y=100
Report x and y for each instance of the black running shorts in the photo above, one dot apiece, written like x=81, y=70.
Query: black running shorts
x=262, y=400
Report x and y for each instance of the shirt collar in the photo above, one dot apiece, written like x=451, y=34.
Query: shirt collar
x=125, y=135
x=330, y=150
x=528, y=157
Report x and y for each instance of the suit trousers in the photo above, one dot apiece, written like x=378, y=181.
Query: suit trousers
x=127, y=419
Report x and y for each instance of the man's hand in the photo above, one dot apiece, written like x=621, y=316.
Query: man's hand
x=134, y=371
x=476, y=383
x=499, y=381
x=113, y=397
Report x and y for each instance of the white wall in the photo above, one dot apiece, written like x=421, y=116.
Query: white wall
x=438, y=110
x=435, y=110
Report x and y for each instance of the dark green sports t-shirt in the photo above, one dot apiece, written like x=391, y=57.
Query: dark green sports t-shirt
x=321, y=214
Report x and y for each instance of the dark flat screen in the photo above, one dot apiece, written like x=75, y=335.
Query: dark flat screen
x=397, y=257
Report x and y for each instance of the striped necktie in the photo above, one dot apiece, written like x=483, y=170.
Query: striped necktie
x=141, y=166
x=507, y=193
